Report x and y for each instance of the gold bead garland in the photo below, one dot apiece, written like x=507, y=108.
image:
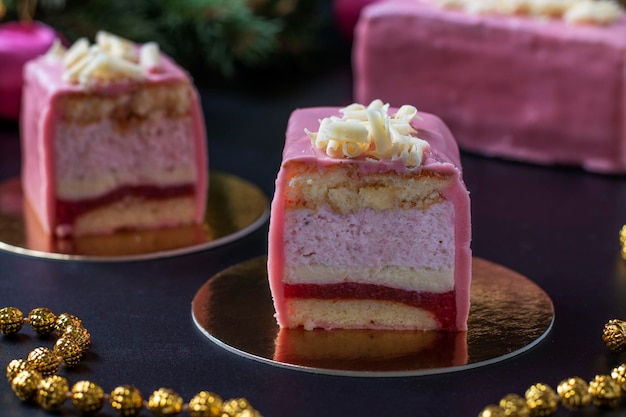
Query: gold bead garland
x=603, y=391
x=35, y=378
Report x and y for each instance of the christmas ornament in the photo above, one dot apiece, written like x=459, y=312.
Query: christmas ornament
x=20, y=41
x=347, y=13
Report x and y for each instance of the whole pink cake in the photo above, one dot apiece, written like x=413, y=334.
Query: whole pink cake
x=542, y=81
x=370, y=222
x=112, y=138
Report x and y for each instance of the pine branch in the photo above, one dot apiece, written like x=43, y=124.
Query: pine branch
x=201, y=35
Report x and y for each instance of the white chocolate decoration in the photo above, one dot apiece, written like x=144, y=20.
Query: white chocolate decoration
x=601, y=12
x=150, y=57
x=56, y=51
x=111, y=59
x=372, y=133
x=595, y=12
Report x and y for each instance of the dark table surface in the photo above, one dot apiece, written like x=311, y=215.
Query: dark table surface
x=557, y=226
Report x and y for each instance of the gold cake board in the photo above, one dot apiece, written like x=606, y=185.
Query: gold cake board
x=235, y=208
x=509, y=315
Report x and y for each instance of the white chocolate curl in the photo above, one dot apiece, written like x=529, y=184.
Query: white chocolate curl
x=592, y=12
x=601, y=12
x=111, y=59
x=370, y=132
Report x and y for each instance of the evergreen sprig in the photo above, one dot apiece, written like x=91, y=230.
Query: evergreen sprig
x=217, y=35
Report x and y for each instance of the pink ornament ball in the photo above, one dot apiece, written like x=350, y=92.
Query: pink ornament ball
x=19, y=42
x=347, y=14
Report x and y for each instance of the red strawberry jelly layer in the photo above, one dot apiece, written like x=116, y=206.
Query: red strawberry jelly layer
x=442, y=305
x=68, y=211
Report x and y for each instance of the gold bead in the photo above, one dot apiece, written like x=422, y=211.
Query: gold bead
x=205, y=404
x=69, y=351
x=250, y=412
x=66, y=319
x=52, y=392
x=492, y=410
x=80, y=335
x=238, y=407
x=614, y=335
x=24, y=385
x=126, y=400
x=574, y=393
x=42, y=320
x=605, y=391
x=619, y=375
x=15, y=367
x=514, y=406
x=87, y=397
x=541, y=400
x=11, y=320
x=44, y=361
x=165, y=402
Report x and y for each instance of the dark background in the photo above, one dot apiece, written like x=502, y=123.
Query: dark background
x=557, y=226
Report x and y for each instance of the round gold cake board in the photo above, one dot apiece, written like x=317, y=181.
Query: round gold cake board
x=235, y=208
x=509, y=314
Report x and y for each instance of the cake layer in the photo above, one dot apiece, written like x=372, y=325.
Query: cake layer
x=356, y=314
x=132, y=213
x=124, y=243
x=99, y=186
x=525, y=88
x=439, y=303
x=342, y=188
x=170, y=99
x=404, y=278
x=139, y=137
x=67, y=211
x=372, y=241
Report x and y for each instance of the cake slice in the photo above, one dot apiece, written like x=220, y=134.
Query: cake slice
x=370, y=222
x=113, y=139
x=541, y=81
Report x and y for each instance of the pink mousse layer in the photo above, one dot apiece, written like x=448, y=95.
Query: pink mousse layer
x=409, y=238
x=40, y=119
x=542, y=91
x=91, y=150
x=442, y=158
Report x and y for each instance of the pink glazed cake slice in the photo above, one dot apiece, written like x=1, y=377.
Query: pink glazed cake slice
x=113, y=139
x=545, y=86
x=370, y=222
